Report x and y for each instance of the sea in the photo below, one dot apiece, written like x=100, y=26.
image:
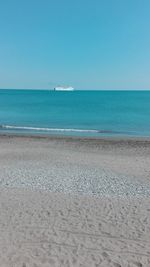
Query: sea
x=78, y=113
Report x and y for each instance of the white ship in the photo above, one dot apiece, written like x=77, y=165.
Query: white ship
x=63, y=88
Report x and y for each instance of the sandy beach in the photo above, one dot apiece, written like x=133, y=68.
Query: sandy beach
x=74, y=202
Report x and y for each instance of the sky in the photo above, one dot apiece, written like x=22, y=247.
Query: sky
x=88, y=44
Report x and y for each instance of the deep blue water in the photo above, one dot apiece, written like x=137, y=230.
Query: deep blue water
x=86, y=113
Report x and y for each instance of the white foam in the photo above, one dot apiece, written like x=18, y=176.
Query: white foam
x=48, y=129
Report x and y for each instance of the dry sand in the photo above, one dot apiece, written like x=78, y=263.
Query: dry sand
x=99, y=214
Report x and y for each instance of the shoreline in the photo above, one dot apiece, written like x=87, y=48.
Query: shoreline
x=106, y=139
x=76, y=165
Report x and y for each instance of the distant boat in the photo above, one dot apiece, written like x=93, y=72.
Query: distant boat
x=63, y=88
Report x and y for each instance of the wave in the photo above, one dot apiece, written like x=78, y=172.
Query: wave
x=46, y=129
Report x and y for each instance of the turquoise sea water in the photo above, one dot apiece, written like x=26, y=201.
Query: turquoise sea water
x=82, y=113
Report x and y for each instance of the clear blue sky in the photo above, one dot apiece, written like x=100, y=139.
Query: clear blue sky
x=89, y=44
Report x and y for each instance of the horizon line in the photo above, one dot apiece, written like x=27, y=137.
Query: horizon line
x=51, y=89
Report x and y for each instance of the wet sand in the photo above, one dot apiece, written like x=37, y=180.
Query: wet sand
x=74, y=202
